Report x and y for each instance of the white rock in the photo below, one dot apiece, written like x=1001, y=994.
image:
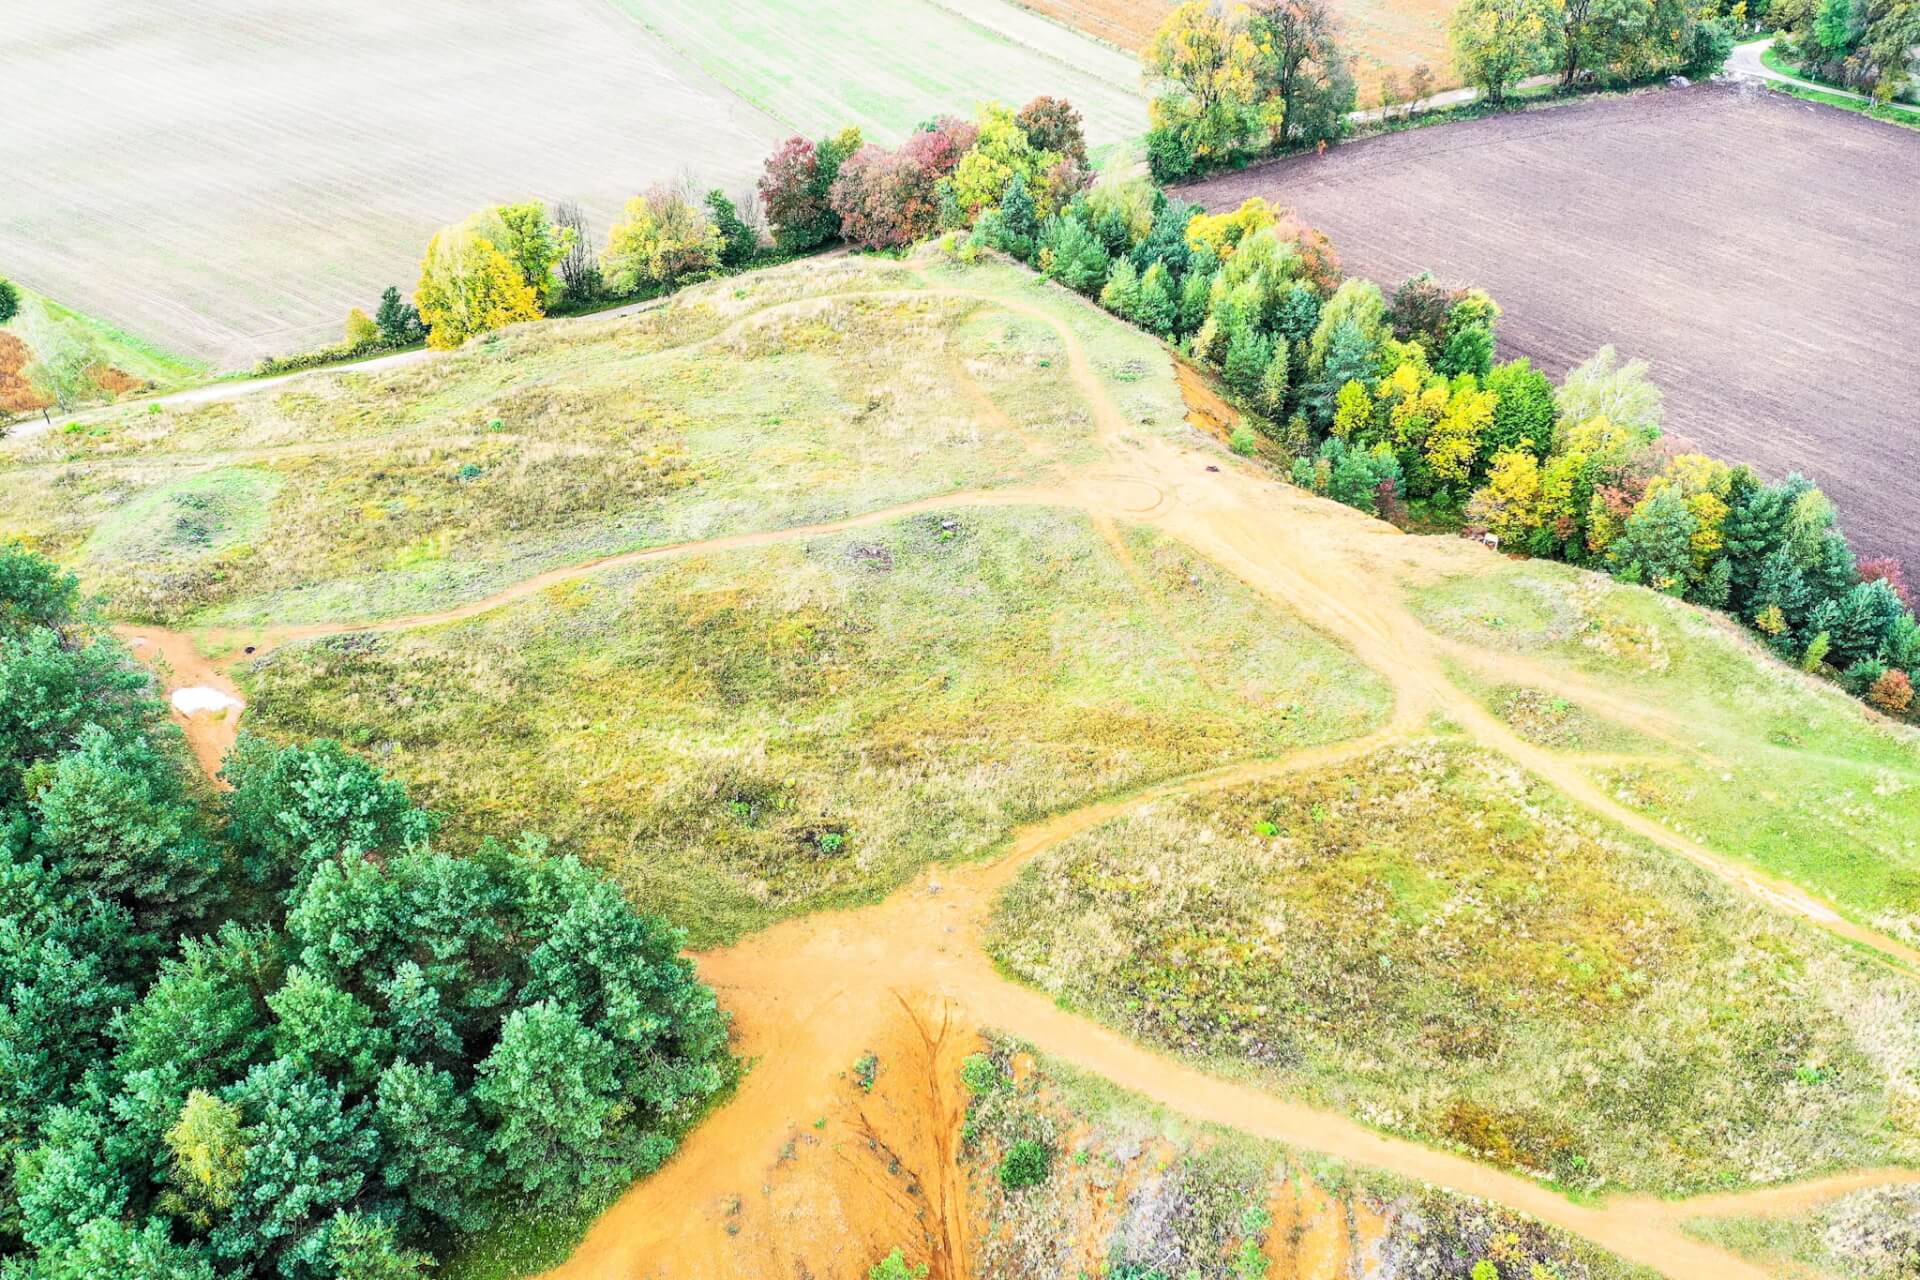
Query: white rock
x=196, y=699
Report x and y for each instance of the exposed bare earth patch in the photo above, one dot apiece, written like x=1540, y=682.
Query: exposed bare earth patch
x=1758, y=251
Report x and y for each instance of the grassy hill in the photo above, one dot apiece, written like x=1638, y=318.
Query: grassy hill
x=873, y=618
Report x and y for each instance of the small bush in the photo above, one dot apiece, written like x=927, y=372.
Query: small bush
x=894, y=1267
x=980, y=1074
x=1026, y=1164
x=1241, y=441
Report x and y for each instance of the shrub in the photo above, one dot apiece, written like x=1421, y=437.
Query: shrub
x=9, y=300
x=980, y=1074
x=894, y=1267
x=362, y=333
x=1026, y=1164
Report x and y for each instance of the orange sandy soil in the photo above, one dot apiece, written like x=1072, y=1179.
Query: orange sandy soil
x=1393, y=35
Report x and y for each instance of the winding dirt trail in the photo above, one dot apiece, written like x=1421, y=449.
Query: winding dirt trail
x=810, y=995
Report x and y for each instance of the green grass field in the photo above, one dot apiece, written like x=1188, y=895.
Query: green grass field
x=816, y=70
x=1771, y=766
x=1434, y=943
x=743, y=735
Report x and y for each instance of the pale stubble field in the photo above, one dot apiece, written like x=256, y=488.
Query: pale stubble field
x=227, y=177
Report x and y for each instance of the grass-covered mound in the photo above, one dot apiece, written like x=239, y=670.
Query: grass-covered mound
x=789, y=397
x=743, y=735
x=1433, y=942
x=1754, y=759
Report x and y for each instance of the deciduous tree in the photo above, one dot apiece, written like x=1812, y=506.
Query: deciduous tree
x=1499, y=43
x=468, y=286
x=664, y=239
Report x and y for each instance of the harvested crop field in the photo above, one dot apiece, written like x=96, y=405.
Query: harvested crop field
x=226, y=178
x=1757, y=250
x=128, y=124
x=1392, y=35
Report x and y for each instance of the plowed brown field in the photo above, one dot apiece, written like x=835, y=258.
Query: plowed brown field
x=1759, y=251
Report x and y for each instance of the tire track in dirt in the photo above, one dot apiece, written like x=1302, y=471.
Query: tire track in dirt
x=806, y=993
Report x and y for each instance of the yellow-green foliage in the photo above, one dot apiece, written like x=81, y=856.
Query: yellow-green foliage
x=361, y=330
x=1768, y=765
x=744, y=735
x=1433, y=942
x=1001, y=151
x=663, y=239
x=209, y=1149
x=468, y=286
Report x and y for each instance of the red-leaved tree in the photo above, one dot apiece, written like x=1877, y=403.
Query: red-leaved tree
x=887, y=199
x=1888, y=569
x=795, y=198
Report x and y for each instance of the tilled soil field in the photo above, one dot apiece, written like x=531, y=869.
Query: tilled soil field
x=1758, y=251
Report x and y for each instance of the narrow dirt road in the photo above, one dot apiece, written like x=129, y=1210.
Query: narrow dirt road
x=809, y=994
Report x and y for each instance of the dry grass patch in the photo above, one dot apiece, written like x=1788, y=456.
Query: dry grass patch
x=789, y=397
x=1868, y=1235
x=1134, y=1192
x=746, y=735
x=1433, y=943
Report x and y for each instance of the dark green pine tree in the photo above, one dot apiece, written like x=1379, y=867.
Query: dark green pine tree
x=1755, y=528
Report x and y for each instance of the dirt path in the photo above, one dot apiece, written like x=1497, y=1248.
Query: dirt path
x=810, y=994
x=1746, y=60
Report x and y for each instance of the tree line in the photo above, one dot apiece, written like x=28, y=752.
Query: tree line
x=275, y=1031
x=1393, y=404
x=1237, y=83
x=1870, y=46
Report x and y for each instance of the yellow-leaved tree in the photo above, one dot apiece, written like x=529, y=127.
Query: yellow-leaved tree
x=1001, y=150
x=1509, y=503
x=664, y=239
x=468, y=286
x=209, y=1149
x=1454, y=441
